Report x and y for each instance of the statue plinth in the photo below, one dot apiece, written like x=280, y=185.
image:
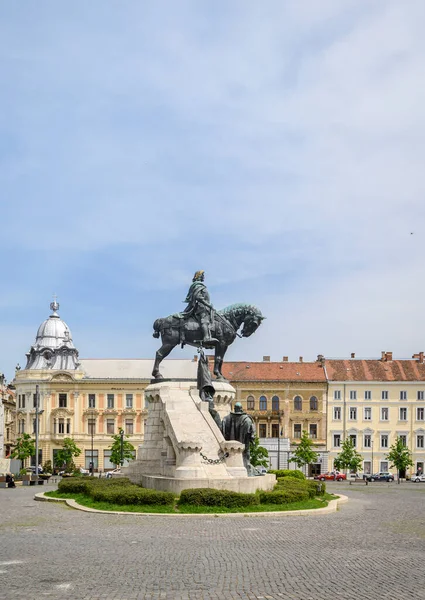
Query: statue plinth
x=183, y=447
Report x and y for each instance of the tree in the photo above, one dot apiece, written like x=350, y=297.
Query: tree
x=348, y=458
x=400, y=456
x=304, y=454
x=258, y=455
x=127, y=449
x=65, y=456
x=25, y=447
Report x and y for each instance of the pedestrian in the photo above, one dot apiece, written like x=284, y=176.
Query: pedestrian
x=10, y=480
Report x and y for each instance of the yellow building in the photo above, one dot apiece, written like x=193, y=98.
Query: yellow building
x=373, y=402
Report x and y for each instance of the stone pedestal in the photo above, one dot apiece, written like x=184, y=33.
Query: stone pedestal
x=183, y=447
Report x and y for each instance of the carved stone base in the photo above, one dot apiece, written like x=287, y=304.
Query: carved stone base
x=184, y=448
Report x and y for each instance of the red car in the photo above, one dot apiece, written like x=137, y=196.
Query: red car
x=337, y=476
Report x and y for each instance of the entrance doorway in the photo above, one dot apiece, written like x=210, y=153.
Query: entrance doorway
x=314, y=469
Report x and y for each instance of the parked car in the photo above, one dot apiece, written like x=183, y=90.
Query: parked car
x=382, y=476
x=418, y=478
x=331, y=476
x=110, y=474
x=84, y=471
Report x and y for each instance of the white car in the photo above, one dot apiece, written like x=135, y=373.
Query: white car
x=418, y=478
x=111, y=474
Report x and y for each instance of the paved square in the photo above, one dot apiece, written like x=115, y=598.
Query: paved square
x=372, y=548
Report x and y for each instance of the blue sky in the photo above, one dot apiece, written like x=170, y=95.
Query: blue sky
x=277, y=146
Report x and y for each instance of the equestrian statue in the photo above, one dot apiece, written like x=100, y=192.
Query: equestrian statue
x=202, y=326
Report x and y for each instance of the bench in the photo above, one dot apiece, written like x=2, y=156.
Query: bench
x=359, y=480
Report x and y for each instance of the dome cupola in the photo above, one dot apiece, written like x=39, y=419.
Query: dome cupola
x=53, y=348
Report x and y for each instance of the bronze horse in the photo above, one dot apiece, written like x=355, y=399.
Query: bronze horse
x=178, y=329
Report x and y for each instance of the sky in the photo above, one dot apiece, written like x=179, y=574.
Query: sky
x=278, y=146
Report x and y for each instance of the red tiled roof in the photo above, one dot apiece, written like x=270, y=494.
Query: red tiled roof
x=273, y=371
x=375, y=370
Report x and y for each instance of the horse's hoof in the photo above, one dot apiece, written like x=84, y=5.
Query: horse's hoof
x=157, y=375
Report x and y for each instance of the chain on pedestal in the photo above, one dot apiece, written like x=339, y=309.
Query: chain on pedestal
x=217, y=461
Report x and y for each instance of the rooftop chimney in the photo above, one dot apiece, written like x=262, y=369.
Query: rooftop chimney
x=266, y=358
x=301, y=359
x=419, y=357
x=353, y=355
x=386, y=356
x=195, y=358
x=383, y=353
x=285, y=359
x=320, y=358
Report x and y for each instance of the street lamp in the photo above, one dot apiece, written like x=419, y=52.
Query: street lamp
x=371, y=466
x=92, y=442
x=37, y=413
x=122, y=446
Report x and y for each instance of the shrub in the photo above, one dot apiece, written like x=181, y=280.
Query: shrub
x=283, y=496
x=223, y=498
x=74, y=485
x=313, y=488
x=288, y=473
x=130, y=494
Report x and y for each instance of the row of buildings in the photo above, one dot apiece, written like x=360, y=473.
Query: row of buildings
x=370, y=401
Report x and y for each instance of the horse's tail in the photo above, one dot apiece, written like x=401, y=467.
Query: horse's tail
x=157, y=328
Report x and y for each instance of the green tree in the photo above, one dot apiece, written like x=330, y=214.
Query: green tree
x=65, y=456
x=25, y=447
x=400, y=456
x=258, y=455
x=348, y=458
x=304, y=454
x=127, y=449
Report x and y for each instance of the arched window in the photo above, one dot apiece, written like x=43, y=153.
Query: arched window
x=250, y=403
x=263, y=403
x=314, y=403
x=298, y=403
x=275, y=403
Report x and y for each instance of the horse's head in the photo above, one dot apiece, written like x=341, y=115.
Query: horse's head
x=252, y=322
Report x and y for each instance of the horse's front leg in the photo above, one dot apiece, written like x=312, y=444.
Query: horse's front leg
x=162, y=353
x=220, y=351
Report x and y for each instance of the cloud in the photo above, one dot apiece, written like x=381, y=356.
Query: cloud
x=277, y=146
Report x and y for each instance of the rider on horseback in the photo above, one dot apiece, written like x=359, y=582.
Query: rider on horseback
x=199, y=306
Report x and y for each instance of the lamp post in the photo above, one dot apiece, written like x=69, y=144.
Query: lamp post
x=92, y=442
x=371, y=466
x=37, y=413
x=122, y=446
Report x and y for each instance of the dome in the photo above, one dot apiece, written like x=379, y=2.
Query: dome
x=53, y=332
x=53, y=348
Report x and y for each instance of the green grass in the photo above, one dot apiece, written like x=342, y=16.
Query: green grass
x=186, y=509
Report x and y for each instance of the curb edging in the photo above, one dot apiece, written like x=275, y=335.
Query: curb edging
x=331, y=508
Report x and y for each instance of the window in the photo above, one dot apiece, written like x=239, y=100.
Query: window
x=107, y=460
x=403, y=414
x=314, y=403
x=384, y=466
x=91, y=457
x=275, y=403
x=110, y=426
x=419, y=441
x=129, y=426
x=367, y=467
x=337, y=394
x=420, y=395
x=313, y=431
x=22, y=428
x=420, y=414
x=384, y=441
x=384, y=414
x=353, y=395
x=61, y=426
x=23, y=401
x=262, y=428
x=250, y=403
x=368, y=395
x=353, y=439
x=367, y=414
x=403, y=439
x=337, y=413
x=298, y=403
x=110, y=400
x=91, y=426
x=19, y=401
x=353, y=413
x=403, y=395
x=62, y=400
x=68, y=426
x=297, y=430
x=129, y=400
x=367, y=441
x=337, y=440
x=263, y=403
x=92, y=400
x=34, y=400
x=384, y=395
x=275, y=430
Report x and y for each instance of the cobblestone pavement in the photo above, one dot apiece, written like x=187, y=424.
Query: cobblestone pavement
x=372, y=548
